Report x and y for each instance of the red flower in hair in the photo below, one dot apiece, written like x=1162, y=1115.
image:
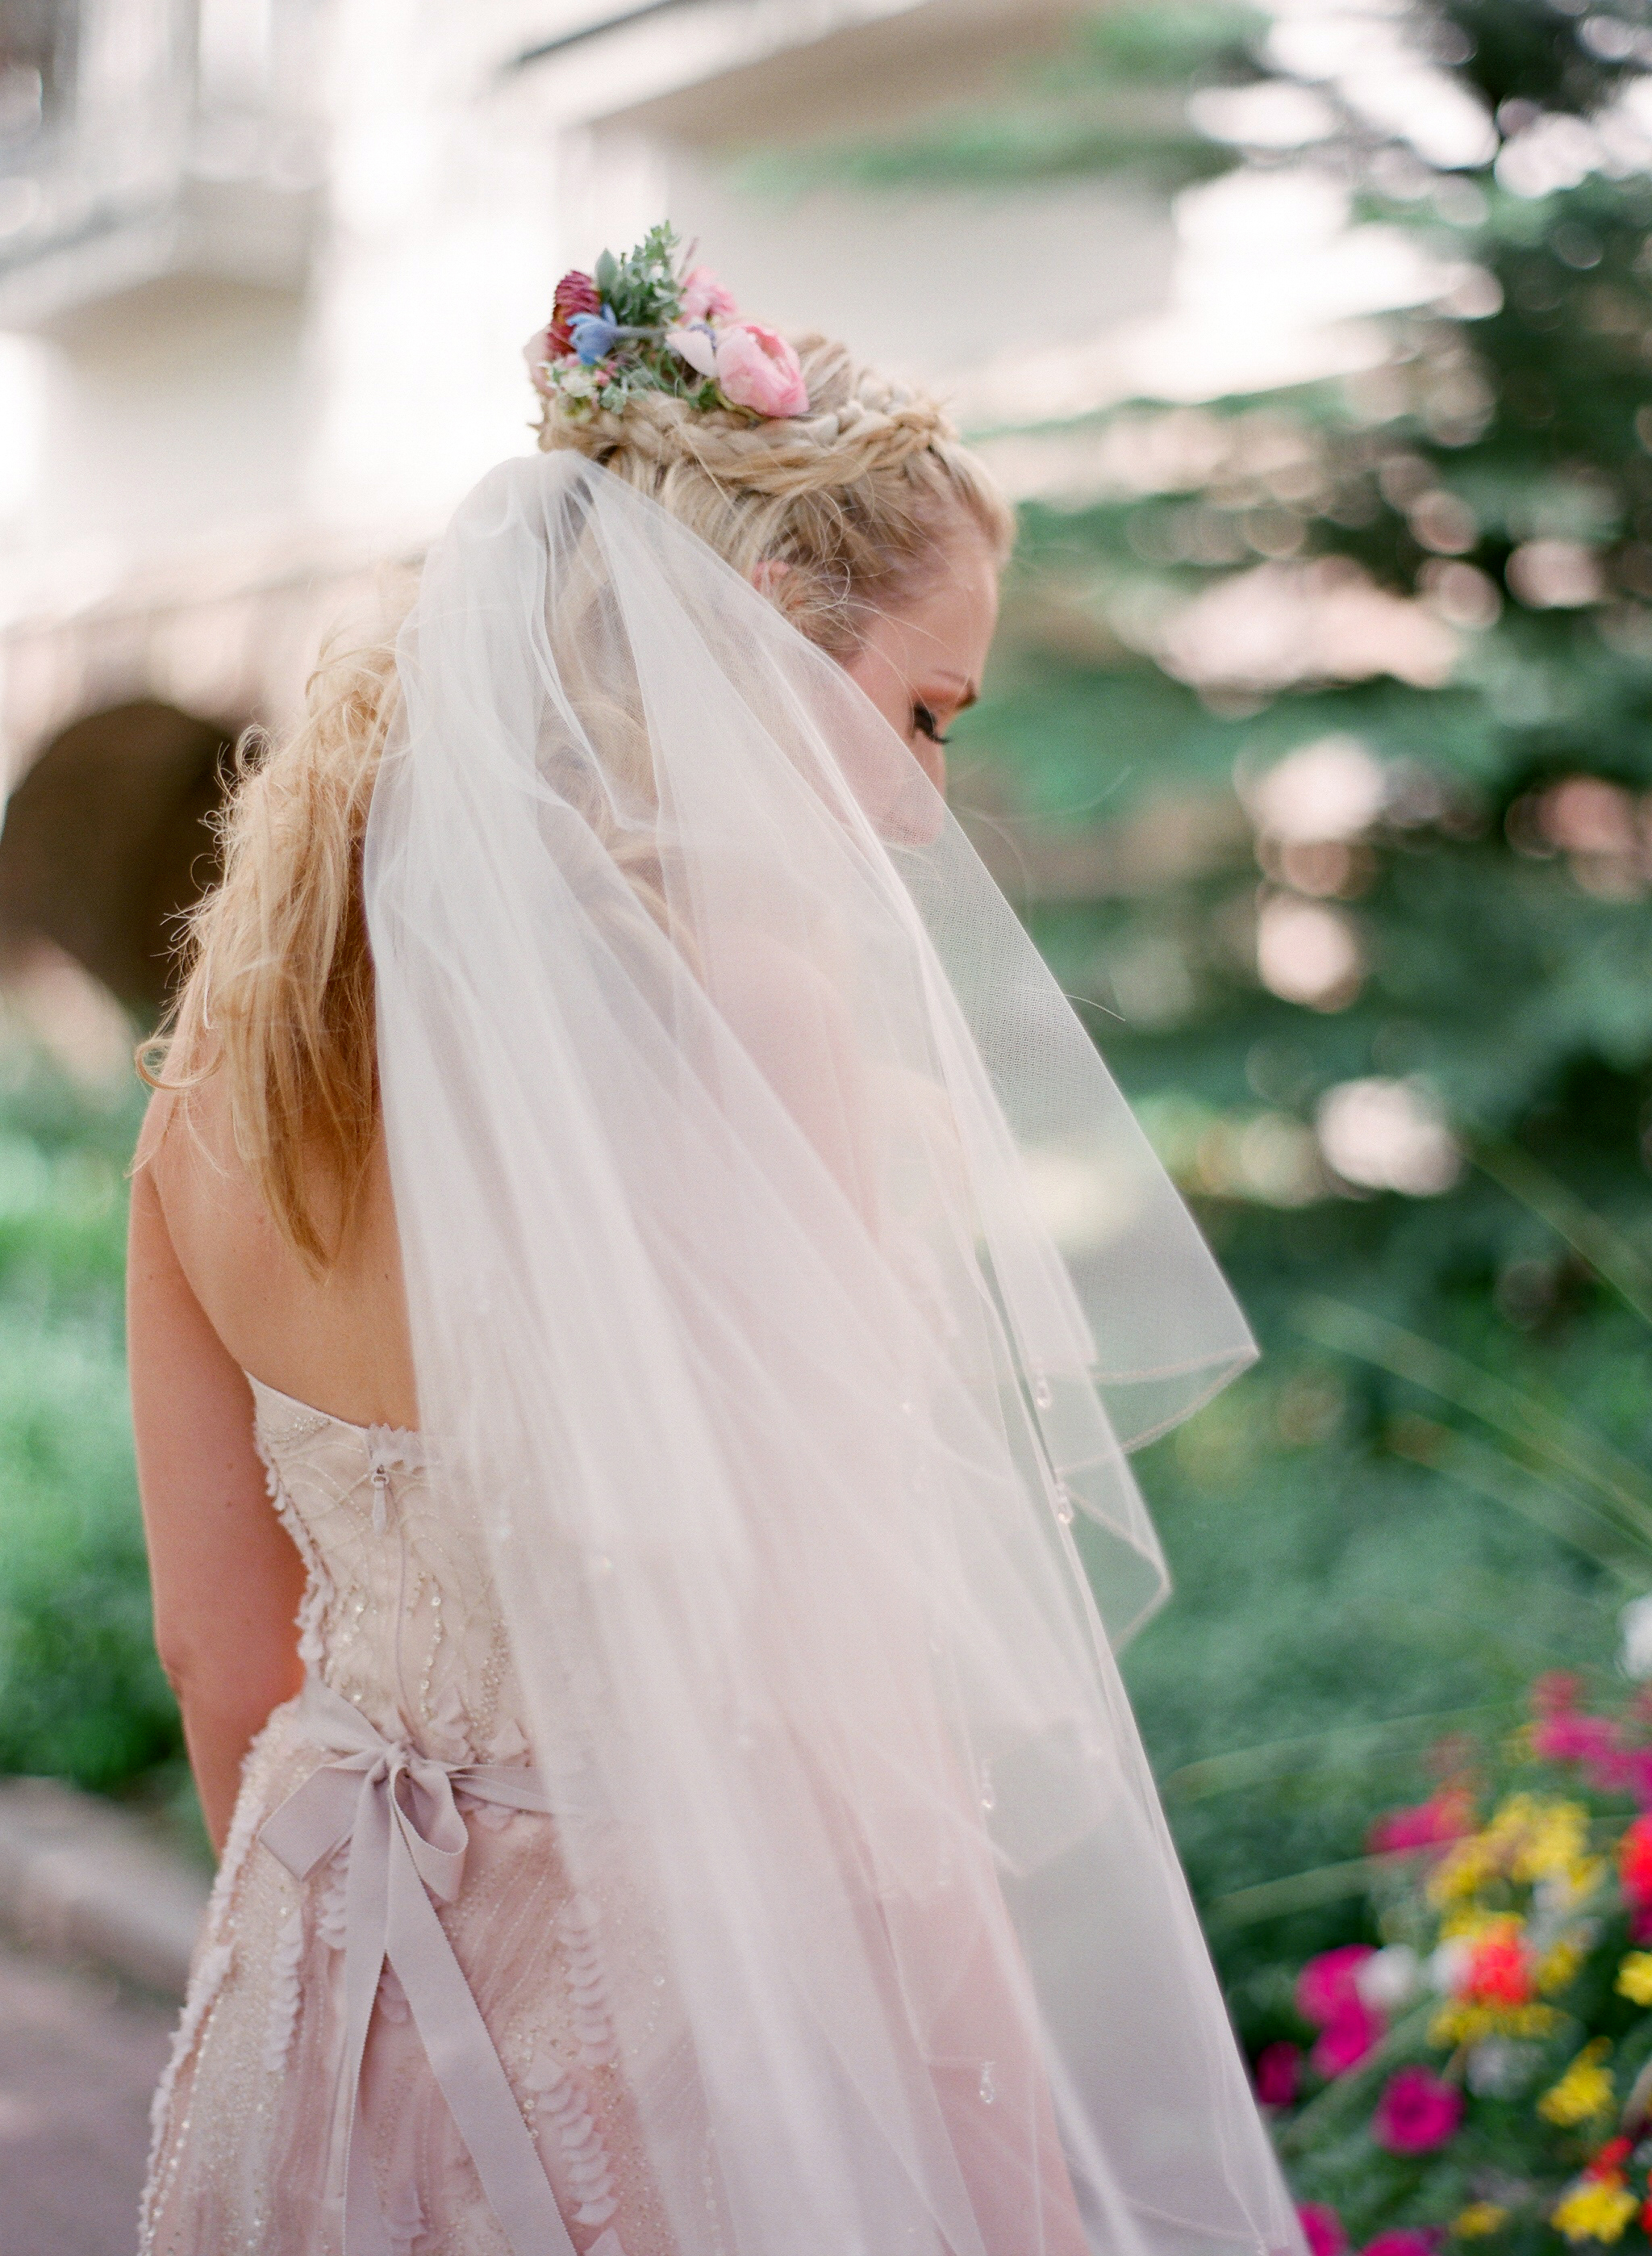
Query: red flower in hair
x=576, y=293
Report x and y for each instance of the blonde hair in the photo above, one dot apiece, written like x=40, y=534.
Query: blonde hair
x=856, y=500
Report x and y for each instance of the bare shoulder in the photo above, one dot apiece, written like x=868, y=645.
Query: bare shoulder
x=337, y=1339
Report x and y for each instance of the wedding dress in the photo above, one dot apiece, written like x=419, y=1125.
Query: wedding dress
x=714, y=1824
x=400, y=1619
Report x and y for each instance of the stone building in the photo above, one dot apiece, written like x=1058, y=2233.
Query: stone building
x=265, y=270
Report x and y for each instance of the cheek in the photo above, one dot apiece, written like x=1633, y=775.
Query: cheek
x=871, y=671
x=931, y=757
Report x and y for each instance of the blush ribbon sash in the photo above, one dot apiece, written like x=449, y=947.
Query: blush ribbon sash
x=407, y=1843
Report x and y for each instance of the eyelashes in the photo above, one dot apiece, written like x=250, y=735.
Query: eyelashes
x=924, y=723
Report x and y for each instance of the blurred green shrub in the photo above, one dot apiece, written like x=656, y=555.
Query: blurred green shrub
x=1364, y=933
x=82, y=1695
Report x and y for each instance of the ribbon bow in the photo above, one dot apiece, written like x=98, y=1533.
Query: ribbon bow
x=407, y=1841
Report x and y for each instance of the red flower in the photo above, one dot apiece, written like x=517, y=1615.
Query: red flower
x=1610, y=2159
x=1322, y=2228
x=576, y=293
x=1634, y=1862
x=1417, y=2112
x=1277, y=2069
x=1498, y=1970
x=1445, y=1816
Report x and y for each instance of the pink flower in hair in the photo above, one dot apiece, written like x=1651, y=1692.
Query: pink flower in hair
x=697, y=344
x=706, y=300
x=757, y=369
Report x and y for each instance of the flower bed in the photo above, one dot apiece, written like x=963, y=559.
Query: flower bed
x=1485, y=2073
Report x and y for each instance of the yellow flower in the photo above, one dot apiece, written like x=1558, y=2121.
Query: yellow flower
x=1585, y=1877
x=1478, y=2219
x=1461, y=2023
x=1527, y=1839
x=1583, y=2092
x=1596, y=2211
x=1462, y=1870
x=1634, y=1977
x=1550, y=1838
x=1560, y=1965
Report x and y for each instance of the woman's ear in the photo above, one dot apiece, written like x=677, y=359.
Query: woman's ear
x=768, y=577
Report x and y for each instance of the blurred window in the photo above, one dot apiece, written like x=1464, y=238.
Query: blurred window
x=39, y=45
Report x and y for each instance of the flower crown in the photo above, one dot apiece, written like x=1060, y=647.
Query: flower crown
x=640, y=324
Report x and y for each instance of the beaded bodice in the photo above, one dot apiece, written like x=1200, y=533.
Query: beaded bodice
x=521, y=1968
x=399, y=1613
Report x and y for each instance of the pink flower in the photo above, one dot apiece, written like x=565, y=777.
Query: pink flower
x=1329, y=1984
x=1417, y=2112
x=757, y=369
x=1567, y=1737
x=698, y=346
x=1348, y=2036
x=1445, y=1816
x=1400, y=2243
x=1556, y=1691
x=1322, y=2228
x=1629, y=1772
x=706, y=300
x=1277, y=2069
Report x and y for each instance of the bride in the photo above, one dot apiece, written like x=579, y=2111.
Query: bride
x=590, y=1267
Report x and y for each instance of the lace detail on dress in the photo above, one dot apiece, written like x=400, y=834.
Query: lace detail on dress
x=284, y=1990
x=562, y=2105
x=400, y=1618
x=587, y=1979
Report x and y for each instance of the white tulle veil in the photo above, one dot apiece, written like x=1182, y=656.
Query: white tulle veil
x=719, y=1083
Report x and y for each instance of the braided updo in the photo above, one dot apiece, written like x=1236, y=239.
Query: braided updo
x=858, y=499
x=855, y=498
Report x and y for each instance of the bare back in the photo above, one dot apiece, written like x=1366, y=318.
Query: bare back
x=339, y=1342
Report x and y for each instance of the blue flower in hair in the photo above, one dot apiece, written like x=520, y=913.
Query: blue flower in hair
x=594, y=334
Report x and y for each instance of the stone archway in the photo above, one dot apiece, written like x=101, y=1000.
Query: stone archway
x=107, y=837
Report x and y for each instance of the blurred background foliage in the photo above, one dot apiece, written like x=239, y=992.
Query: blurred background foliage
x=1317, y=757
x=82, y=1695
